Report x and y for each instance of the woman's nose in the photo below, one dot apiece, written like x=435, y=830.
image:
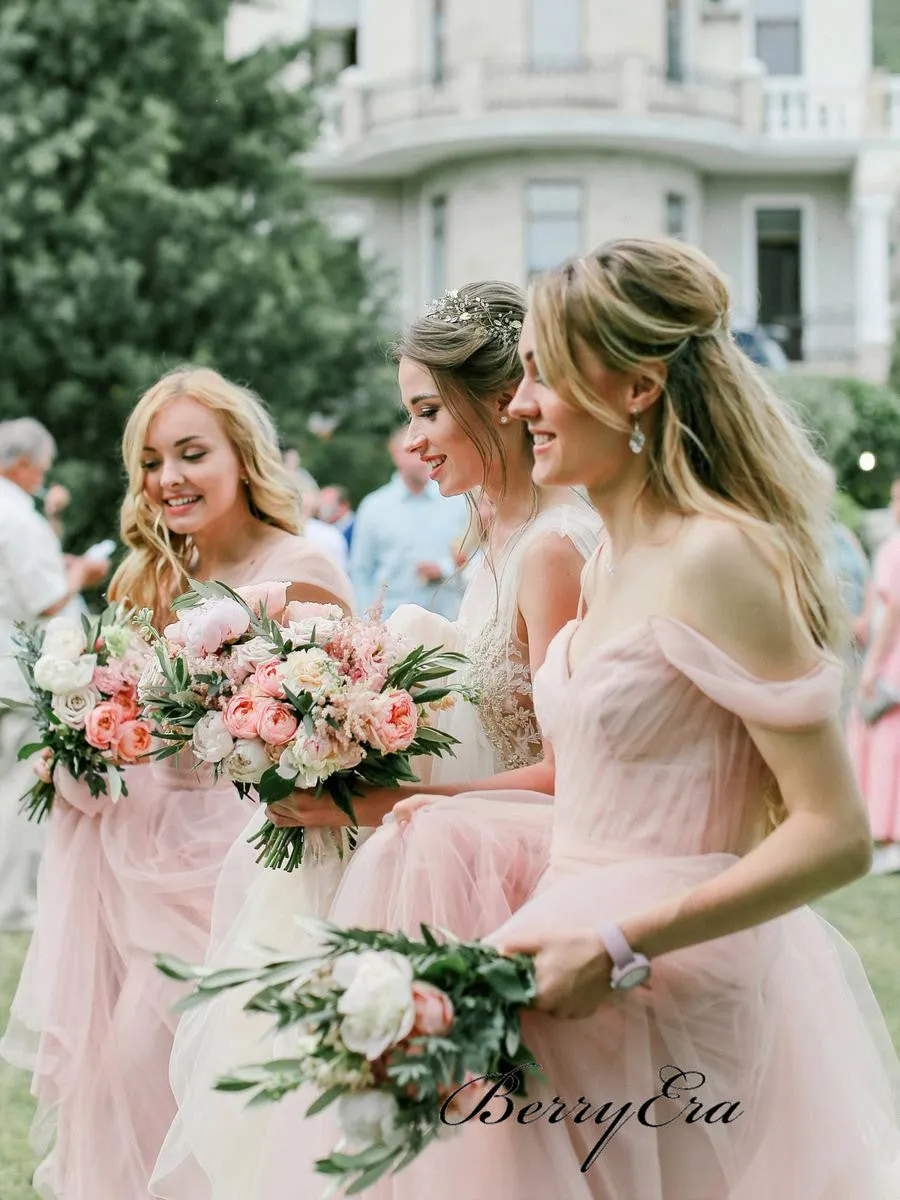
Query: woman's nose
x=524, y=405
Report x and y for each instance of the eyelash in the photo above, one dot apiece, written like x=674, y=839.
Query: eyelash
x=428, y=413
x=195, y=457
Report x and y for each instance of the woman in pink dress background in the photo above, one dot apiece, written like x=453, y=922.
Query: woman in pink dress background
x=208, y=497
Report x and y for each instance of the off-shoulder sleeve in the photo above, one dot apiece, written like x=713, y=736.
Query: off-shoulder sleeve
x=300, y=562
x=789, y=704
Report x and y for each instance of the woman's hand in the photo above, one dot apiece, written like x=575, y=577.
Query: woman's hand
x=573, y=969
x=321, y=812
x=403, y=810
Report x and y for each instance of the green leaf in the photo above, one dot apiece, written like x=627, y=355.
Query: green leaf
x=327, y=1097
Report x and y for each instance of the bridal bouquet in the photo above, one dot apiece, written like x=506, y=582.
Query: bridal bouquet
x=312, y=700
x=83, y=679
x=405, y=1038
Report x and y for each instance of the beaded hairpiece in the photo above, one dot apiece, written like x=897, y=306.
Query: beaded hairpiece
x=472, y=310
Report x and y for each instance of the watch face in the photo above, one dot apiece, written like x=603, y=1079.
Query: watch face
x=632, y=977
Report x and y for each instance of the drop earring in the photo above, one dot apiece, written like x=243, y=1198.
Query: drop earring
x=637, y=440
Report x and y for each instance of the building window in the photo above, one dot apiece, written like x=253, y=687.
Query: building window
x=779, y=36
x=554, y=224
x=779, y=276
x=674, y=41
x=438, y=41
x=676, y=215
x=554, y=34
x=437, y=244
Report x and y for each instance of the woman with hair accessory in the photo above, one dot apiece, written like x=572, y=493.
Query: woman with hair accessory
x=458, y=370
x=207, y=498
x=700, y=1032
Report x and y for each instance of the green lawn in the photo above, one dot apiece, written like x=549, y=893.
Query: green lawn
x=865, y=913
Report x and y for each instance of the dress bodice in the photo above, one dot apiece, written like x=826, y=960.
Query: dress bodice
x=652, y=753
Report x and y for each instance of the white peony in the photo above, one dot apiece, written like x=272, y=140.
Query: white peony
x=73, y=707
x=60, y=675
x=249, y=655
x=308, y=671
x=248, y=761
x=377, y=1005
x=419, y=627
x=368, y=1118
x=64, y=638
x=211, y=740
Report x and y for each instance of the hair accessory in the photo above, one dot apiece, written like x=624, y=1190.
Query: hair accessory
x=472, y=310
x=638, y=439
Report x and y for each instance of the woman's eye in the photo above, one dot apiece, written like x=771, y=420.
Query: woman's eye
x=195, y=456
x=428, y=413
x=149, y=466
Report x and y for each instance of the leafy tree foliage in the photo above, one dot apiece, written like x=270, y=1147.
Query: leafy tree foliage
x=152, y=211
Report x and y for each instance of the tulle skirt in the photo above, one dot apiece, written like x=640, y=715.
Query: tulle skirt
x=91, y=1018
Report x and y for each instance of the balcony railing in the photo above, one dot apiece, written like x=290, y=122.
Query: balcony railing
x=792, y=108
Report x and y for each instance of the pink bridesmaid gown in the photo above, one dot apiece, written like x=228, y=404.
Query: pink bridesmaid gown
x=91, y=1018
x=876, y=748
x=659, y=787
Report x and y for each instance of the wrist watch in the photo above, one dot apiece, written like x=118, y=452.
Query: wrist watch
x=629, y=969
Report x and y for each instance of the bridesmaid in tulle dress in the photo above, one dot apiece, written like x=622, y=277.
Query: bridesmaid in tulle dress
x=92, y=1018
x=702, y=1034
x=458, y=371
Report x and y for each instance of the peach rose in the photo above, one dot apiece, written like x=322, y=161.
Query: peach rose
x=268, y=678
x=277, y=723
x=126, y=702
x=133, y=742
x=393, y=722
x=434, y=1010
x=101, y=727
x=241, y=716
x=273, y=595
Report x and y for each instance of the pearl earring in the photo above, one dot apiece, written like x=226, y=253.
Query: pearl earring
x=504, y=420
x=637, y=440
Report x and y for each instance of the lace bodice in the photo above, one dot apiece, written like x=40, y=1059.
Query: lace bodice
x=500, y=669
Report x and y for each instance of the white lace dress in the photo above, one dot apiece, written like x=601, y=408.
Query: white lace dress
x=216, y=1149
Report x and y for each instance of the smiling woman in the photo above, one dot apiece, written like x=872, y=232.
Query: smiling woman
x=208, y=497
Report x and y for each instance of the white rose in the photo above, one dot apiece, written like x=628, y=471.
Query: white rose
x=248, y=761
x=59, y=675
x=377, y=1005
x=211, y=740
x=73, y=707
x=250, y=654
x=308, y=671
x=368, y=1118
x=64, y=638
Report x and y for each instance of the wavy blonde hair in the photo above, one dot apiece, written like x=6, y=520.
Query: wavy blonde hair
x=724, y=444
x=156, y=569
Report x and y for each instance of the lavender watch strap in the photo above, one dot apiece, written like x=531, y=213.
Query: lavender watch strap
x=616, y=944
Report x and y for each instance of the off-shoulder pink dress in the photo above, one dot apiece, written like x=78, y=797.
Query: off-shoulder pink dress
x=92, y=1018
x=659, y=787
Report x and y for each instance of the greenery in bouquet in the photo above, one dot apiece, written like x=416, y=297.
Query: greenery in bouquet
x=405, y=1038
x=279, y=696
x=83, y=676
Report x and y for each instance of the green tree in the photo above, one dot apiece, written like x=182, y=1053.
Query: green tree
x=152, y=211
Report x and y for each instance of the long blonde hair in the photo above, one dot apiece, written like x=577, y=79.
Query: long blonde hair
x=156, y=569
x=723, y=444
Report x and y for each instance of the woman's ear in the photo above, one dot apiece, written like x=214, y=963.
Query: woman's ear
x=647, y=387
x=503, y=402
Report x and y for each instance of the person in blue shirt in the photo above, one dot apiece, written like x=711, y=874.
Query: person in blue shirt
x=404, y=538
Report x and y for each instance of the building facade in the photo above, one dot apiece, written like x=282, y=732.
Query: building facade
x=467, y=139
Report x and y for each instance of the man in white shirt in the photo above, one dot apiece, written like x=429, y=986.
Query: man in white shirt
x=35, y=583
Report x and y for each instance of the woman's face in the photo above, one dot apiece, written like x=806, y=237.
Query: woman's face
x=434, y=434
x=570, y=445
x=191, y=470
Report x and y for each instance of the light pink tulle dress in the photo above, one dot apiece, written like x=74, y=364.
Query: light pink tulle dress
x=215, y=1146
x=876, y=748
x=659, y=788
x=118, y=884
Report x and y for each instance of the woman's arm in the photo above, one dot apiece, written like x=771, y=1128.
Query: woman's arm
x=727, y=592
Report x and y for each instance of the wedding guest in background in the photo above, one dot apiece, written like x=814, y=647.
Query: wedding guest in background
x=404, y=535
x=335, y=509
x=36, y=583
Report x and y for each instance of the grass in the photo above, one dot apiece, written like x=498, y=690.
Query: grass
x=864, y=913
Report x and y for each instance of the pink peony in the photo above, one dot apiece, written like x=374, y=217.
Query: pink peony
x=126, y=702
x=101, y=727
x=434, y=1010
x=110, y=679
x=299, y=610
x=212, y=625
x=241, y=716
x=391, y=722
x=273, y=595
x=133, y=742
x=268, y=678
x=276, y=723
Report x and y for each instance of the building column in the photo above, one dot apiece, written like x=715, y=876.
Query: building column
x=874, y=326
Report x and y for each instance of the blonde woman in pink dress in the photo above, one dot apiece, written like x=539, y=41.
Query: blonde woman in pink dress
x=875, y=744
x=458, y=371
x=208, y=497
x=701, y=1033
